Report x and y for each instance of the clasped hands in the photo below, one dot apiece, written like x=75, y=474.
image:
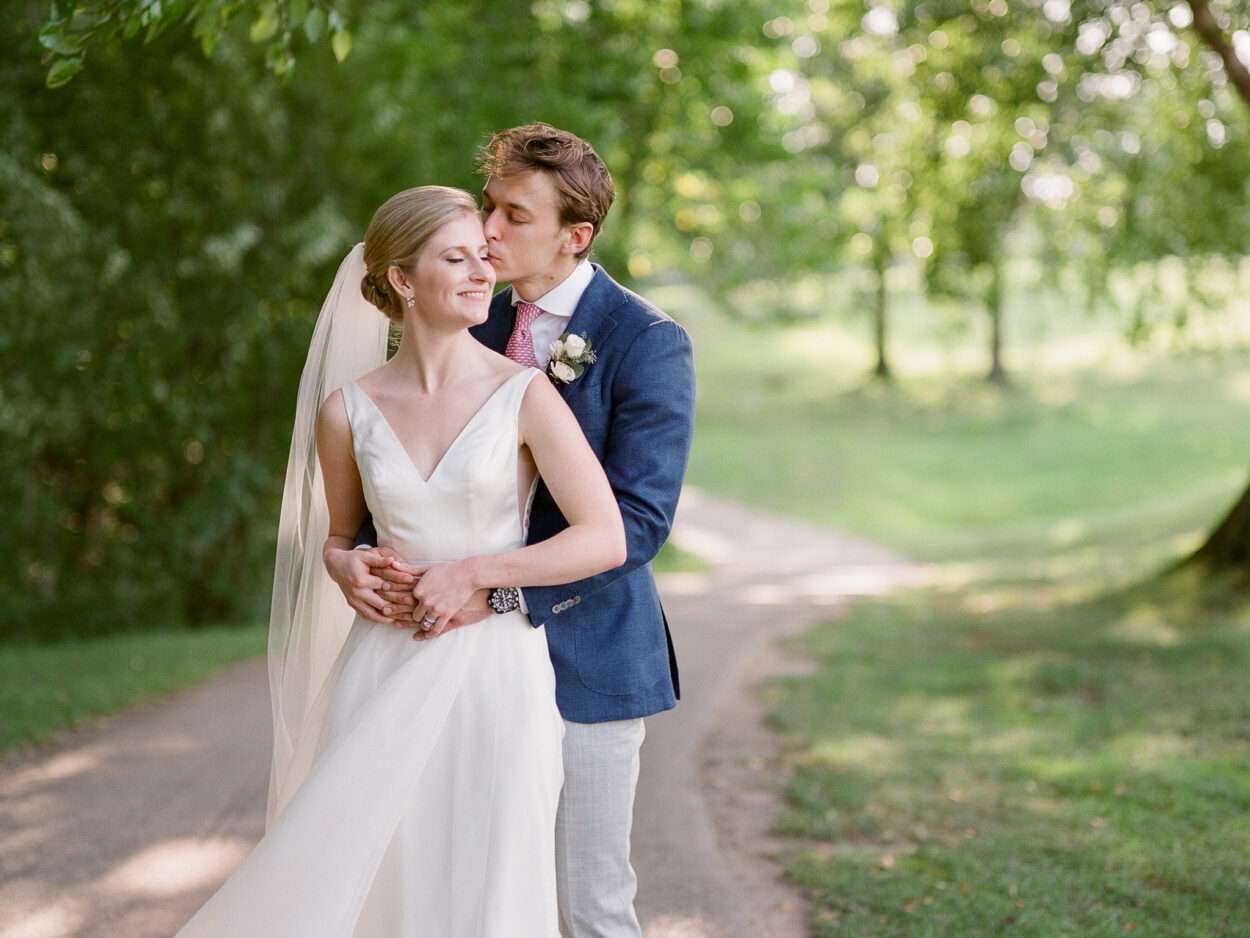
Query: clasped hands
x=384, y=588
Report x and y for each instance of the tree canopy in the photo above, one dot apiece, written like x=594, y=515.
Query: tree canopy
x=178, y=180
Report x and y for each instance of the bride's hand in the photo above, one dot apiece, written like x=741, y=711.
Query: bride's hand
x=442, y=590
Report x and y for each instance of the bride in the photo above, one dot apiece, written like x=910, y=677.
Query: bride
x=414, y=785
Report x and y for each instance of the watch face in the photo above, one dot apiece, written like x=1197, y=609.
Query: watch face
x=504, y=599
x=501, y=600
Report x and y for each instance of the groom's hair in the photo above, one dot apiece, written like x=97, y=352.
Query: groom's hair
x=581, y=178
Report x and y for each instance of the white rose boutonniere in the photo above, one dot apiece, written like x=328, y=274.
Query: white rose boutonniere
x=570, y=355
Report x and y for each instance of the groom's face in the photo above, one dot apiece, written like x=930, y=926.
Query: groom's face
x=521, y=219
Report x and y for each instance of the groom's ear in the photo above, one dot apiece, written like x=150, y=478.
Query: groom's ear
x=577, y=238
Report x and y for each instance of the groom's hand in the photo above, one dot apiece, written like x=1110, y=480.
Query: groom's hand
x=357, y=574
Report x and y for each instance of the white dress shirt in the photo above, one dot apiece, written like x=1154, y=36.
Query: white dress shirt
x=557, y=306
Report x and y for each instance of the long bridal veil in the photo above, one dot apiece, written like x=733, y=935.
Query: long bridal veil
x=308, y=618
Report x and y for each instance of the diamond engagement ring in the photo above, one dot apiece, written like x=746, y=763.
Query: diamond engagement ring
x=427, y=623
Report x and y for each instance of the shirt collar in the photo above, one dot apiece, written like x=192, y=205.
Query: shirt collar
x=562, y=299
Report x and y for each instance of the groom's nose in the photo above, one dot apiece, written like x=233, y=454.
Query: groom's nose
x=489, y=226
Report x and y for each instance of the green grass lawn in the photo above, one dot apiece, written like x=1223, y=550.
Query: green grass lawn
x=945, y=467
x=1048, y=742
x=1044, y=769
x=47, y=688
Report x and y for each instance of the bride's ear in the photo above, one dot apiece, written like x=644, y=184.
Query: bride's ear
x=401, y=283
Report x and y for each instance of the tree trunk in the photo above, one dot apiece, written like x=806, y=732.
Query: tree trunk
x=1213, y=36
x=1228, y=546
x=880, y=263
x=994, y=304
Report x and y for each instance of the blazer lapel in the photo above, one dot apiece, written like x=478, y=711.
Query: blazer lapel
x=499, y=323
x=593, y=316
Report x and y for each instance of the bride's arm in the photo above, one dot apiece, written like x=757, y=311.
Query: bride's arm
x=345, y=495
x=346, y=501
x=593, y=542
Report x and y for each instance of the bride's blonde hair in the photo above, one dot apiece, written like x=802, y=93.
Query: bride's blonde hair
x=398, y=231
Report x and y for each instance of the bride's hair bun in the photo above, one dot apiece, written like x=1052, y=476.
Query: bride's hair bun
x=379, y=294
x=400, y=228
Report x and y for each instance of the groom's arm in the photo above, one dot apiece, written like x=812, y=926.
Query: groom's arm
x=367, y=536
x=647, y=451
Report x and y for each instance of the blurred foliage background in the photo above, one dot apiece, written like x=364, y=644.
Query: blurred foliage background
x=178, y=181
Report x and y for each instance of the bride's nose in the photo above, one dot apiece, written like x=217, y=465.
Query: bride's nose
x=482, y=271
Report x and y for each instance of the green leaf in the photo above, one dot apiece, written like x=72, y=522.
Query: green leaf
x=341, y=43
x=133, y=25
x=266, y=25
x=278, y=58
x=49, y=33
x=315, y=24
x=208, y=42
x=62, y=71
x=295, y=12
x=62, y=43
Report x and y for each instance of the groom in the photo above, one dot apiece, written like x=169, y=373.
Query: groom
x=546, y=196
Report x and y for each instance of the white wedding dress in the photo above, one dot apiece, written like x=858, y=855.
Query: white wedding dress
x=430, y=807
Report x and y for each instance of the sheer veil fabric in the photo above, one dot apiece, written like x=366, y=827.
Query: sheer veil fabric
x=308, y=619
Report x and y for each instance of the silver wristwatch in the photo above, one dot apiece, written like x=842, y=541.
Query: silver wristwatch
x=504, y=599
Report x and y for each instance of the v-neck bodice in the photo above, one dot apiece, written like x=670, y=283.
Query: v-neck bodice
x=469, y=504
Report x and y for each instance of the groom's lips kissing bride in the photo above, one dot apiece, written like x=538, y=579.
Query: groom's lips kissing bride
x=546, y=196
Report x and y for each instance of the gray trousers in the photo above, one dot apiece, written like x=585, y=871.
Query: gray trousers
x=594, y=879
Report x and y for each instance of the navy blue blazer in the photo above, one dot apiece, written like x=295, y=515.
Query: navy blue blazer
x=608, y=637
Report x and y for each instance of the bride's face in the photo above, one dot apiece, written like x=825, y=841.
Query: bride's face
x=453, y=279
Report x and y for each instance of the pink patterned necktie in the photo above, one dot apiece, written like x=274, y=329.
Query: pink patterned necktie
x=520, y=346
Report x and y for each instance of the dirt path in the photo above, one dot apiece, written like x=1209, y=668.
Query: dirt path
x=126, y=826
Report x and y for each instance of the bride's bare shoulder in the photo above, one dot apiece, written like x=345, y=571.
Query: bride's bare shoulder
x=542, y=402
x=332, y=421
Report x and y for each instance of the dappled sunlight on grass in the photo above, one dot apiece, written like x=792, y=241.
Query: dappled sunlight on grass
x=1013, y=740
x=945, y=715
x=1146, y=624
x=1239, y=386
x=948, y=468
x=1074, y=766
x=1042, y=736
x=1146, y=751
x=868, y=752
